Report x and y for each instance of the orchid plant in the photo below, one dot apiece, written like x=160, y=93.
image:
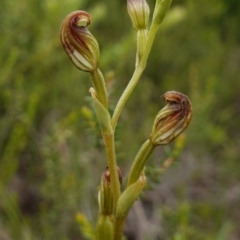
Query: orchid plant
x=83, y=50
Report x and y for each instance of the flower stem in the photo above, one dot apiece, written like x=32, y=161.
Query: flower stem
x=99, y=86
x=139, y=162
x=119, y=224
x=112, y=164
x=136, y=75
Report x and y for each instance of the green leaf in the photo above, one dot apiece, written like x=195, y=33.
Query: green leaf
x=129, y=196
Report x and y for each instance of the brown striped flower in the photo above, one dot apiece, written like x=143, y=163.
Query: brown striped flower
x=172, y=119
x=79, y=44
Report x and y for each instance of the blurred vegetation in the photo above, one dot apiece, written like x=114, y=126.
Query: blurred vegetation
x=51, y=153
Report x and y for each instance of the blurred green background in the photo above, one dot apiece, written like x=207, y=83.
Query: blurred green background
x=51, y=152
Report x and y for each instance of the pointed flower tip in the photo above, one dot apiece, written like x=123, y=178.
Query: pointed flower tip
x=142, y=178
x=138, y=11
x=173, y=119
x=93, y=92
x=79, y=44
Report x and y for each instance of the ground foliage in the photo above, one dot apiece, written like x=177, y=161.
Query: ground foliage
x=51, y=153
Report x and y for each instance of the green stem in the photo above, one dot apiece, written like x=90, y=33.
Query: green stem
x=136, y=75
x=140, y=161
x=118, y=231
x=112, y=164
x=100, y=87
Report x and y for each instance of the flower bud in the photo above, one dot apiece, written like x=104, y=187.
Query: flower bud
x=138, y=11
x=172, y=119
x=79, y=44
x=105, y=195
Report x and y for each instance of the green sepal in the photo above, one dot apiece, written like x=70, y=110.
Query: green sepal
x=102, y=113
x=129, y=196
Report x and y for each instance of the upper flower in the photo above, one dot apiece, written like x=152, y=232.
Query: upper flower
x=172, y=119
x=79, y=44
x=138, y=11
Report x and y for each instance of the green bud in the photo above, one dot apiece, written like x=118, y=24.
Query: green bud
x=172, y=119
x=79, y=44
x=138, y=11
